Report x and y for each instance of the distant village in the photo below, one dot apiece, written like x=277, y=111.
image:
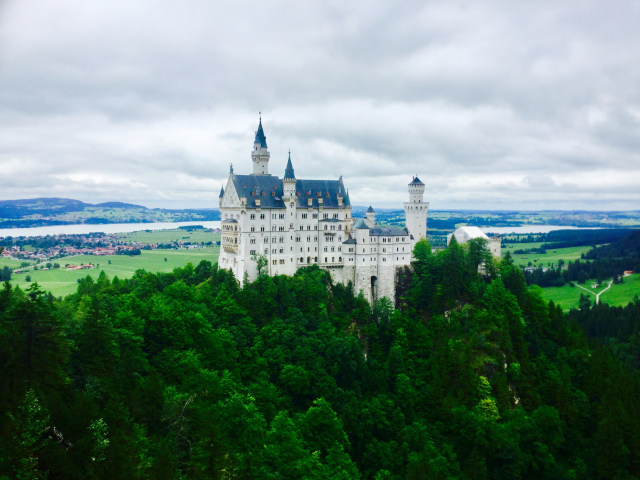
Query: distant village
x=56, y=247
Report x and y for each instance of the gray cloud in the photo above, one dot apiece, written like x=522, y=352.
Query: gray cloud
x=525, y=105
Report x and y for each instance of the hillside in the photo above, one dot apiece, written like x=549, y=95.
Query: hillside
x=190, y=375
x=37, y=212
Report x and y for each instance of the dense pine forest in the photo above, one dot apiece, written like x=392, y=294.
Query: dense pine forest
x=188, y=375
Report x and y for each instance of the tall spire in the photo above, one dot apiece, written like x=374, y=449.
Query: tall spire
x=288, y=172
x=260, y=138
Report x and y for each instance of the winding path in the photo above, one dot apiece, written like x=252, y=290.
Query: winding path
x=596, y=294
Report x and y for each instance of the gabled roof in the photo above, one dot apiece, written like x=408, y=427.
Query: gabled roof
x=260, y=138
x=350, y=241
x=416, y=181
x=370, y=209
x=221, y=192
x=269, y=190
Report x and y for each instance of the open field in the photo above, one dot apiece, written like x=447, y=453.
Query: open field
x=622, y=293
x=167, y=236
x=9, y=262
x=537, y=259
x=619, y=295
x=62, y=282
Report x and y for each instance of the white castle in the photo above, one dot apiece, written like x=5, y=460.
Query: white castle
x=293, y=223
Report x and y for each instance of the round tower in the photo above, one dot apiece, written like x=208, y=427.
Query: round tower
x=415, y=210
x=260, y=153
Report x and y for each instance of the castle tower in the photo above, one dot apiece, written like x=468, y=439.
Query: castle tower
x=370, y=217
x=415, y=210
x=260, y=154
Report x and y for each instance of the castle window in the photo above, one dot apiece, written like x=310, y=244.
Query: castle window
x=275, y=262
x=315, y=215
x=308, y=227
x=304, y=215
x=252, y=252
x=281, y=216
x=326, y=249
x=266, y=239
x=262, y=216
x=252, y=240
x=262, y=229
x=253, y=216
x=340, y=227
x=339, y=259
x=282, y=250
x=253, y=229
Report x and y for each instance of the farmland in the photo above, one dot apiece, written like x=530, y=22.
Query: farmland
x=62, y=282
x=192, y=247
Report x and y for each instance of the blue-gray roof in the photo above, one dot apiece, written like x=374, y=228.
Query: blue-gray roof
x=288, y=172
x=360, y=224
x=416, y=181
x=370, y=209
x=221, y=192
x=350, y=241
x=388, y=232
x=268, y=189
x=260, y=138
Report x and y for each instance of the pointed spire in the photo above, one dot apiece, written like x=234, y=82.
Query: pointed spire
x=221, y=192
x=231, y=169
x=260, y=138
x=370, y=209
x=288, y=172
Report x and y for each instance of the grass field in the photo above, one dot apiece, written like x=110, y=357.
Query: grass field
x=167, y=236
x=551, y=256
x=619, y=295
x=62, y=282
x=9, y=262
x=622, y=293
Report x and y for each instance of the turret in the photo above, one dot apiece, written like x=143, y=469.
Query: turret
x=289, y=180
x=260, y=153
x=370, y=217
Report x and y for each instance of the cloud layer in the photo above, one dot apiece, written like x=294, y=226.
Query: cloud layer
x=528, y=105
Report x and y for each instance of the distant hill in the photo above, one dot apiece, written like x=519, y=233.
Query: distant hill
x=35, y=212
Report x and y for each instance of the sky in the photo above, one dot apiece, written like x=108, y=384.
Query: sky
x=493, y=105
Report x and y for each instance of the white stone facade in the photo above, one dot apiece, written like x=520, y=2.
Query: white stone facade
x=292, y=223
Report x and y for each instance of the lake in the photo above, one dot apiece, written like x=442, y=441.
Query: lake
x=135, y=227
x=532, y=229
x=106, y=228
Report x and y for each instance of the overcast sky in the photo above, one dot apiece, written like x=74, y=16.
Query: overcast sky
x=494, y=105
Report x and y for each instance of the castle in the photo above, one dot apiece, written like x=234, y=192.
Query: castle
x=289, y=223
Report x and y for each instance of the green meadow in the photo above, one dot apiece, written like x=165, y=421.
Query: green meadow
x=61, y=282
x=167, y=236
x=551, y=256
x=618, y=295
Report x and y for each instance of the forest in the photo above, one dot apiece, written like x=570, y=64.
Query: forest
x=600, y=263
x=471, y=375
